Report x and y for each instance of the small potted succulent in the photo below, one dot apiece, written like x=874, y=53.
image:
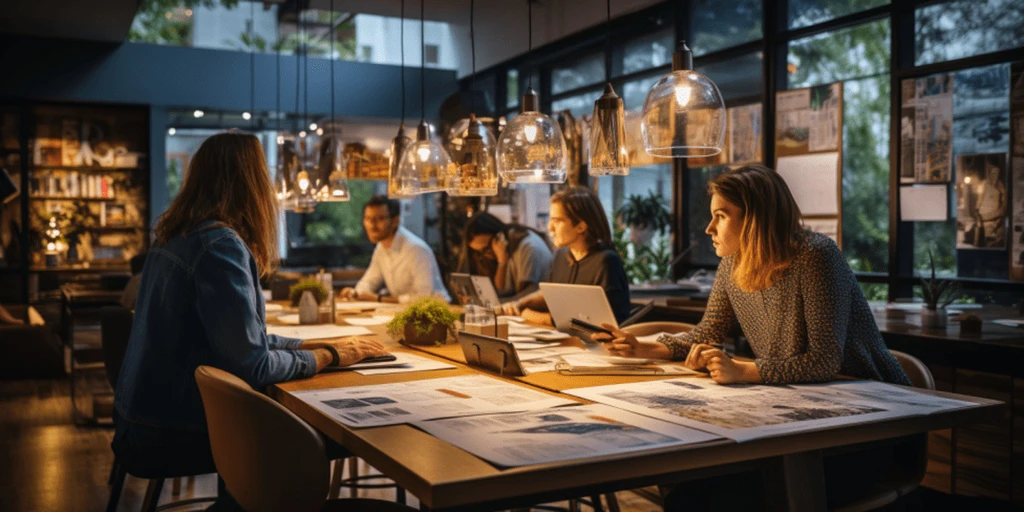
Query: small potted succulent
x=937, y=295
x=425, y=322
x=308, y=294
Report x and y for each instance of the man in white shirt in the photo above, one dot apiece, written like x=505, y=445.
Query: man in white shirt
x=402, y=263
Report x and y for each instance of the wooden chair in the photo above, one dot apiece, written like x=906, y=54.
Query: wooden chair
x=269, y=458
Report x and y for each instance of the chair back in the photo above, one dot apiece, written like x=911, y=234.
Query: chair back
x=920, y=375
x=648, y=328
x=115, y=330
x=269, y=458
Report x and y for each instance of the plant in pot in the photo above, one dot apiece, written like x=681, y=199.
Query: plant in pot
x=425, y=322
x=937, y=295
x=308, y=294
x=644, y=216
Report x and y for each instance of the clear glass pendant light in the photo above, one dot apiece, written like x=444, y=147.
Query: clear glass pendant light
x=608, y=153
x=474, y=172
x=684, y=113
x=287, y=164
x=332, y=166
x=399, y=186
x=305, y=186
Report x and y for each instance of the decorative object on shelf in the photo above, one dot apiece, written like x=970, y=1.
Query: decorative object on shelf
x=425, y=322
x=308, y=284
x=401, y=186
x=644, y=215
x=937, y=294
x=531, y=148
x=684, y=113
x=424, y=158
x=608, y=153
x=54, y=242
x=474, y=172
x=308, y=310
x=364, y=163
x=970, y=324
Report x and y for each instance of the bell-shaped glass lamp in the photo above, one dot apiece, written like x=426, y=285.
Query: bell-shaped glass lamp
x=474, y=172
x=426, y=159
x=305, y=184
x=531, y=148
x=608, y=152
x=332, y=171
x=684, y=114
x=287, y=163
x=400, y=186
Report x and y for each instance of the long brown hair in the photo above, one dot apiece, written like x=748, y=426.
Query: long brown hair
x=771, y=221
x=582, y=205
x=228, y=182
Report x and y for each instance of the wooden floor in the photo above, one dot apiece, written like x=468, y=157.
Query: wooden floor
x=48, y=464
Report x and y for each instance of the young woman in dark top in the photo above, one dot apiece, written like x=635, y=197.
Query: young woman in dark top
x=579, y=229
x=515, y=257
x=199, y=303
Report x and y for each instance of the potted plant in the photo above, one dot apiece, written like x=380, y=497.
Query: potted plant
x=425, y=322
x=308, y=294
x=937, y=295
x=644, y=216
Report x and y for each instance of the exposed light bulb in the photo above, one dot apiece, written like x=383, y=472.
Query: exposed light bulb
x=312, y=127
x=967, y=180
x=683, y=95
x=302, y=133
x=198, y=113
x=319, y=131
x=303, y=180
x=424, y=153
x=531, y=133
x=171, y=131
x=51, y=246
x=247, y=116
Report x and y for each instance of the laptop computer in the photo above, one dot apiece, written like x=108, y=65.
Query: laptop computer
x=568, y=301
x=476, y=290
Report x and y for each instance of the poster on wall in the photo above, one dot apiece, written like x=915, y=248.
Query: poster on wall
x=745, y=134
x=908, y=118
x=808, y=120
x=933, y=128
x=981, y=201
x=1017, y=247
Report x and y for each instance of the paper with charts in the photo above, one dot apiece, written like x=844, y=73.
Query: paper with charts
x=420, y=400
x=745, y=412
x=536, y=437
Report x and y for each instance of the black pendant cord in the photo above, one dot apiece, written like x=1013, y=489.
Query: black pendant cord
x=608, y=26
x=277, y=88
x=333, y=31
x=305, y=77
x=401, y=52
x=472, y=49
x=423, y=66
x=298, y=59
x=252, y=65
x=529, y=39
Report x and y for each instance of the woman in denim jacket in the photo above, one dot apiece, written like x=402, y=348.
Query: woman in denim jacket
x=200, y=303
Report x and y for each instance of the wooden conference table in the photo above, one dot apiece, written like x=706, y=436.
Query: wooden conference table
x=445, y=477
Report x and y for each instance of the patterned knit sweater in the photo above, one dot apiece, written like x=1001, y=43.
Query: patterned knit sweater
x=809, y=326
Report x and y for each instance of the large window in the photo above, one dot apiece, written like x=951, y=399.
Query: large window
x=645, y=52
x=738, y=77
x=804, y=13
x=964, y=28
x=585, y=71
x=720, y=24
x=579, y=105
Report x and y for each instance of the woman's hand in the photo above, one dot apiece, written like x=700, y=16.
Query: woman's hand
x=694, y=361
x=724, y=370
x=536, y=317
x=624, y=344
x=351, y=294
x=349, y=350
x=511, y=309
x=500, y=247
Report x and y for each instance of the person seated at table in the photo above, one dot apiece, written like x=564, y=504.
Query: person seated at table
x=791, y=290
x=579, y=229
x=514, y=256
x=200, y=303
x=402, y=263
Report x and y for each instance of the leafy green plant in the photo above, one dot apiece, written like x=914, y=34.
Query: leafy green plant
x=640, y=212
x=644, y=264
x=423, y=314
x=935, y=291
x=308, y=284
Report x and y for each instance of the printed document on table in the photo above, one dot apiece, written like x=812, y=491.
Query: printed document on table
x=373, y=320
x=420, y=400
x=355, y=306
x=745, y=412
x=537, y=437
x=403, y=363
x=317, y=332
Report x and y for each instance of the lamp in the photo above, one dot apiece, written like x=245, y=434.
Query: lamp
x=531, y=148
x=684, y=114
x=475, y=173
x=332, y=167
x=608, y=153
x=304, y=186
x=400, y=186
x=424, y=158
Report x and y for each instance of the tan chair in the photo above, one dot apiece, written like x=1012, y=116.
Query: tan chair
x=269, y=458
x=910, y=455
x=648, y=328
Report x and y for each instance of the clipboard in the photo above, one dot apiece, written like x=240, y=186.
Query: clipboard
x=490, y=353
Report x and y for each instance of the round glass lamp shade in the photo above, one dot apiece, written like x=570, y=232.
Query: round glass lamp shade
x=305, y=190
x=683, y=116
x=287, y=164
x=427, y=160
x=400, y=186
x=531, y=149
x=332, y=171
x=608, y=152
x=474, y=172
x=455, y=142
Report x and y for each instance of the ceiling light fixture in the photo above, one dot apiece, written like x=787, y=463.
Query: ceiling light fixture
x=332, y=167
x=401, y=186
x=608, y=153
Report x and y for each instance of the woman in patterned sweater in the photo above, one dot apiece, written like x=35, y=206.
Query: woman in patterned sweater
x=791, y=290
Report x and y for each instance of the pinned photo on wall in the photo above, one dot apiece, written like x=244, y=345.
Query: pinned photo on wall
x=908, y=118
x=745, y=134
x=981, y=201
x=933, y=129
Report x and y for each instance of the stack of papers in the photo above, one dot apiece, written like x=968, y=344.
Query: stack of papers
x=317, y=332
x=356, y=306
x=403, y=363
x=373, y=320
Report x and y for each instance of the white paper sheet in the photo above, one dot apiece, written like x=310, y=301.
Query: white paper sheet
x=813, y=181
x=533, y=345
x=373, y=320
x=290, y=319
x=924, y=203
x=273, y=308
x=537, y=437
x=420, y=400
x=745, y=412
x=353, y=306
x=317, y=332
x=403, y=363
